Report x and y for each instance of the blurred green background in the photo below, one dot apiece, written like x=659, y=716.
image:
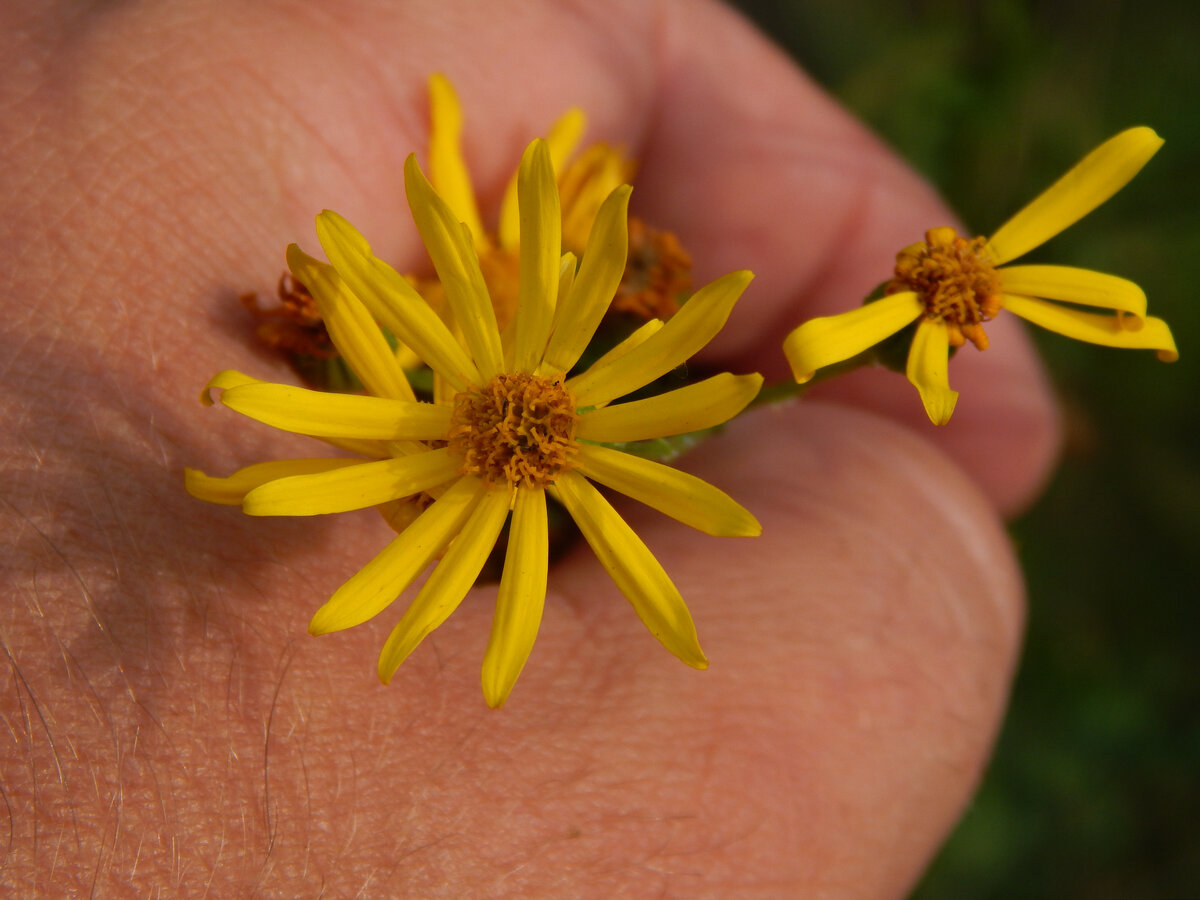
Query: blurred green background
x=1095, y=786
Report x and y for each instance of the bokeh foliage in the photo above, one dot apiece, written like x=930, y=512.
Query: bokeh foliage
x=1094, y=787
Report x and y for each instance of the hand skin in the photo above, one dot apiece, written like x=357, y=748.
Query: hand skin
x=169, y=727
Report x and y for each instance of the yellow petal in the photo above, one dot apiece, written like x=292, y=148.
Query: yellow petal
x=447, y=168
x=567, y=268
x=696, y=323
x=444, y=590
x=406, y=357
x=399, y=514
x=222, y=381
x=521, y=599
x=701, y=405
x=585, y=184
x=674, y=493
x=457, y=265
x=541, y=256
x=1089, y=183
x=354, y=487
x=367, y=448
x=633, y=567
x=1081, y=286
x=350, y=326
x=393, y=302
x=565, y=135
x=562, y=140
x=635, y=340
x=338, y=415
x=232, y=490
x=929, y=370
x=595, y=286
x=374, y=587
x=1095, y=328
x=827, y=340
x=231, y=378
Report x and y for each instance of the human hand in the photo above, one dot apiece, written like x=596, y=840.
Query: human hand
x=172, y=727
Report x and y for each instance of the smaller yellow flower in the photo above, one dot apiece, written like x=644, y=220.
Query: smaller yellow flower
x=953, y=285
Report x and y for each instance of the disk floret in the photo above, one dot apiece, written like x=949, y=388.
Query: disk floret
x=517, y=428
x=955, y=281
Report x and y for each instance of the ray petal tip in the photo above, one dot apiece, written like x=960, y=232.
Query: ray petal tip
x=335, y=224
x=496, y=689
x=387, y=666
x=193, y=479
x=1146, y=135
x=323, y=622
x=939, y=405
x=413, y=175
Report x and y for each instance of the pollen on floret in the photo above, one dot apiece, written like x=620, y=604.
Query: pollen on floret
x=517, y=429
x=955, y=281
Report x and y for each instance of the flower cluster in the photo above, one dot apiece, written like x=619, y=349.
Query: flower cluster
x=525, y=406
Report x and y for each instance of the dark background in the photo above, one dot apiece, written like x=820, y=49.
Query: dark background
x=1095, y=786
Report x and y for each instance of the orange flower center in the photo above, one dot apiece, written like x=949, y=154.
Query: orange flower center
x=955, y=280
x=517, y=428
x=657, y=273
x=295, y=326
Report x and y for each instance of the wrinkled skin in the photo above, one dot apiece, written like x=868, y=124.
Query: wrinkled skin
x=169, y=727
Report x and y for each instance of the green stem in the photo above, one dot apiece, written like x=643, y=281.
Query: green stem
x=782, y=391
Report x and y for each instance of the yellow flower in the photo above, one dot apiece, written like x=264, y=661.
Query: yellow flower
x=510, y=428
x=954, y=285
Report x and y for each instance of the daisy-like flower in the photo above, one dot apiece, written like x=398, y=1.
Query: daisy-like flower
x=511, y=429
x=953, y=285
